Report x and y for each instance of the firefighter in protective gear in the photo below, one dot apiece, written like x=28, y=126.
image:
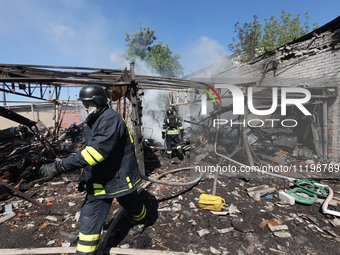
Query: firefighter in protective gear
x=171, y=127
x=110, y=169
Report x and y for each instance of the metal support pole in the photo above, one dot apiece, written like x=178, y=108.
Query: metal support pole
x=325, y=129
x=32, y=109
x=4, y=93
x=245, y=137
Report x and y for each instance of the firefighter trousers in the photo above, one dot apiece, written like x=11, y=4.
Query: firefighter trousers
x=93, y=215
x=172, y=139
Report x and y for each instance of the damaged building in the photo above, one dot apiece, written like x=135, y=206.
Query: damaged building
x=310, y=63
x=306, y=131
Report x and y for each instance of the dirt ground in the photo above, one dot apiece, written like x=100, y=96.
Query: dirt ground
x=175, y=221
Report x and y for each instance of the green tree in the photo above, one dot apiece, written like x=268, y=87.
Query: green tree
x=249, y=37
x=139, y=43
x=255, y=39
x=159, y=56
x=286, y=29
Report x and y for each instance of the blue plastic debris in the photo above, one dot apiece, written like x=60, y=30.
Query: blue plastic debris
x=269, y=197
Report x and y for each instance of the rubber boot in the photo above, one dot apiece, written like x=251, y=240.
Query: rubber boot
x=180, y=153
x=169, y=155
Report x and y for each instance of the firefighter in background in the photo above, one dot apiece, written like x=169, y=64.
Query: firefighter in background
x=171, y=127
x=110, y=169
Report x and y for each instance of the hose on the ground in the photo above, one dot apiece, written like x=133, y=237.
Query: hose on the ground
x=155, y=180
x=122, y=211
x=249, y=167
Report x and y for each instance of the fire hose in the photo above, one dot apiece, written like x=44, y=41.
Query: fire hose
x=150, y=180
x=155, y=180
x=325, y=204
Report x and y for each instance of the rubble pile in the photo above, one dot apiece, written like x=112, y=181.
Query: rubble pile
x=258, y=217
x=292, y=152
x=244, y=226
x=23, y=150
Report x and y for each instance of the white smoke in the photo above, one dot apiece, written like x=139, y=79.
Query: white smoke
x=141, y=66
x=153, y=110
x=154, y=113
x=206, y=53
x=119, y=61
x=202, y=53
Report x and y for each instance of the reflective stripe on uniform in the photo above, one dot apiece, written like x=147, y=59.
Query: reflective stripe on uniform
x=92, y=240
x=125, y=189
x=129, y=182
x=179, y=147
x=169, y=152
x=95, y=154
x=91, y=155
x=87, y=248
x=173, y=132
x=98, y=189
x=88, y=158
x=131, y=139
x=141, y=215
x=84, y=237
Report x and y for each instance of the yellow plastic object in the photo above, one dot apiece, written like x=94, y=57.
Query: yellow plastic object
x=210, y=202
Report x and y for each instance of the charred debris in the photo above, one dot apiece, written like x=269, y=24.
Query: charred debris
x=294, y=141
x=177, y=217
x=24, y=149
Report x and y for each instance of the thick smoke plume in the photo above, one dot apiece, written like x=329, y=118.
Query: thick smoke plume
x=152, y=101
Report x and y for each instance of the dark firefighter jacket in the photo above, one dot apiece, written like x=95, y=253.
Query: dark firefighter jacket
x=171, y=131
x=109, y=161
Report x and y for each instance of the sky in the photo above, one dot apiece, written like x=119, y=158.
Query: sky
x=89, y=33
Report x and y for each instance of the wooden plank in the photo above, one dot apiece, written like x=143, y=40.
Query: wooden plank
x=72, y=250
x=52, y=250
x=23, y=195
x=136, y=119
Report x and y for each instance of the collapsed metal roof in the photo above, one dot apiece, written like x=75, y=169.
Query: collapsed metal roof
x=44, y=82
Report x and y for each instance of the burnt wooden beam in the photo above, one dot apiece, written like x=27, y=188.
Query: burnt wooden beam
x=137, y=126
x=23, y=195
x=16, y=117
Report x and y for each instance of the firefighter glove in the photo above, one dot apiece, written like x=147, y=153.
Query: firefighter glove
x=51, y=169
x=163, y=135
